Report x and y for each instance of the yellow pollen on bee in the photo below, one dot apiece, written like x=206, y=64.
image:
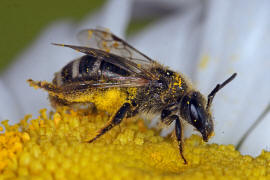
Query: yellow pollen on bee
x=115, y=44
x=211, y=135
x=106, y=33
x=104, y=99
x=107, y=50
x=107, y=30
x=178, y=81
x=104, y=44
x=90, y=34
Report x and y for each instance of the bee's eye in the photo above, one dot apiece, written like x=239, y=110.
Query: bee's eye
x=193, y=112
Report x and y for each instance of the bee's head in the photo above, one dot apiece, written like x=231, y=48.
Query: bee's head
x=196, y=111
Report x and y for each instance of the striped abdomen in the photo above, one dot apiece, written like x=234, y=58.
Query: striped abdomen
x=88, y=68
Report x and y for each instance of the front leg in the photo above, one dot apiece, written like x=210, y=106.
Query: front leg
x=117, y=119
x=179, y=133
x=167, y=118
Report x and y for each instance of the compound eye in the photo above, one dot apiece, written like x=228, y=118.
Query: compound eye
x=193, y=112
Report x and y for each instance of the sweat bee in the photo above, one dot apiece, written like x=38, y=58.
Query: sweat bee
x=149, y=87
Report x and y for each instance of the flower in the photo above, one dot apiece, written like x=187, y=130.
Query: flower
x=54, y=148
x=206, y=40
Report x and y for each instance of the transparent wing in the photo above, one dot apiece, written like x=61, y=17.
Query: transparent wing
x=137, y=70
x=86, y=85
x=107, y=41
x=117, y=82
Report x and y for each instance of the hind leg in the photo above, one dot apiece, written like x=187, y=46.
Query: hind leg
x=56, y=94
x=49, y=87
x=116, y=120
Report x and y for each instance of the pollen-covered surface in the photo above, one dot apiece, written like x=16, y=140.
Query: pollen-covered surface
x=105, y=99
x=53, y=147
x=108, y=99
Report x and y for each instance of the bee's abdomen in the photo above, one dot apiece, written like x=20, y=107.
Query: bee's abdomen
x=109, y=69
x=86, y=64
x=87, y=68
x=77, y=70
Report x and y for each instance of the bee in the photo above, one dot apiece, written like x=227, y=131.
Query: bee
x=111, y=63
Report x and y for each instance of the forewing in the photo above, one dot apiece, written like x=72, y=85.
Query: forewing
x=107, y=41
x=115, y=82
x=137, y=70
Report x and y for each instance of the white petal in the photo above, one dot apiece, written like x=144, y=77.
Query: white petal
x=158, y=8
x=168, y=3
x=115, y=16
x=38, y=62
x=9, y=107
x=236, y=40
x=258, y=139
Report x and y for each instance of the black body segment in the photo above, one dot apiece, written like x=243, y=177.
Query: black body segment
x=90, y=68
x=86, y=64
x=66, y=73
x=109, y=69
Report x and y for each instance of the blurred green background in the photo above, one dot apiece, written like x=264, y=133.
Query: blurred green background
x=22, y=20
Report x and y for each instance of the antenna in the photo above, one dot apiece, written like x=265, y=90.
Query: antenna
x=217, y=88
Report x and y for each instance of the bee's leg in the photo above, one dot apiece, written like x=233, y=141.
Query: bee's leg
x=134, y=111
x=166, y=114
x=167, y=118
x=179, y=133
x=51, y=88
x=118, y=117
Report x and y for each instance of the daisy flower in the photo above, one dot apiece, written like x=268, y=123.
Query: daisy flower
x=205, y=40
